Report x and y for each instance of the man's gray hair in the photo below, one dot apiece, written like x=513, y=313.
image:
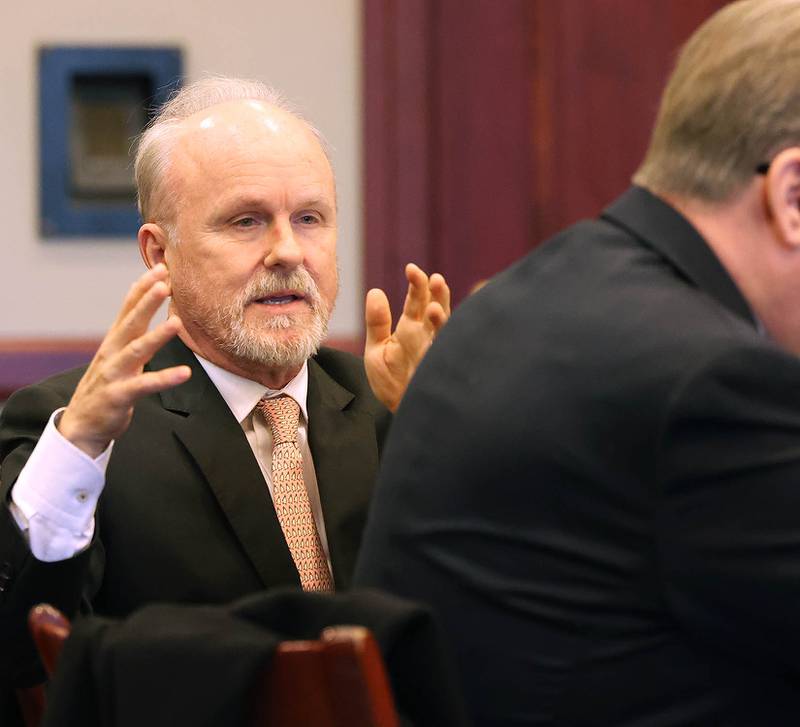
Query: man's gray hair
x=157, y=204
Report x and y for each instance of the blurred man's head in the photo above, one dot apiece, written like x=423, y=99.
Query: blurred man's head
x=731, y=104
x=238, y=198
x=725, y=152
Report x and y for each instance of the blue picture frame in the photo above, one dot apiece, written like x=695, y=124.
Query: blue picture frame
x=61, y=216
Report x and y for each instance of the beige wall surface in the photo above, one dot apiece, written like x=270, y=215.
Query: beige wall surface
x=308, y=48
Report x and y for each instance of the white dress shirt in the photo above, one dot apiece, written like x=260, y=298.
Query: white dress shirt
x=55, y=496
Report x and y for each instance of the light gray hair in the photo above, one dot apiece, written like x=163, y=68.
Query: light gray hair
x=157, y=204
x=731, y=104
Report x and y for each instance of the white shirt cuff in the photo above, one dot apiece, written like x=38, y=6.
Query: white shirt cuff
x=55, y=496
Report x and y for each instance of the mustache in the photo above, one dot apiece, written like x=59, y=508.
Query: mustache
x=270, y=282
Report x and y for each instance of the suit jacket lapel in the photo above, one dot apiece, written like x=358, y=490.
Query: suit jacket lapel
x=345, y=453
x=214, y=439
x=662, y=228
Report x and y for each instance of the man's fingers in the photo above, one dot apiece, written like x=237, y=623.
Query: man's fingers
x=377, y=316
x=135, y=323
x=101, y=407
x=140, y=350
x=140, y=287
x=436, y=316
x=440, y=292
x=418, y=294
x=151, y=382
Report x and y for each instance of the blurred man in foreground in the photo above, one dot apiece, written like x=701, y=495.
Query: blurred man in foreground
x=595, y=476
x=232, y=452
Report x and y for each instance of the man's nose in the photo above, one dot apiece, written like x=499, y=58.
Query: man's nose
x=283, y=247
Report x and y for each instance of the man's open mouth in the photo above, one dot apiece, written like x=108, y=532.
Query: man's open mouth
x=280, y=298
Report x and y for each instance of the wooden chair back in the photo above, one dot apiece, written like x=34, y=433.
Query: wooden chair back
x=338, y=680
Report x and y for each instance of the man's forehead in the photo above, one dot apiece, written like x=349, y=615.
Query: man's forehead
x=243, y=115
x=247, y=129
x=245, y=122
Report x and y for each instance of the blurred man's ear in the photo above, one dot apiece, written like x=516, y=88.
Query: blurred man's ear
x=152, y=244
x=783, y=195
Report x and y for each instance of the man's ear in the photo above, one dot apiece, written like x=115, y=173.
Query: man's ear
x=783, y=195
x=152, y=244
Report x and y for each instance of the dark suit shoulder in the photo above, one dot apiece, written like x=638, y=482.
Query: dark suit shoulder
x=25, y=415
x=344, y=367
x=599, y=292
x=348, y=371
x=56, y=388
x=345, y=370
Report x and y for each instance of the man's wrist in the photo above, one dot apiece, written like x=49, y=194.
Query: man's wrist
x=66, y=428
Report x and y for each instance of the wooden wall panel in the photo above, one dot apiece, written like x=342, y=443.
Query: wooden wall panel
x=446, y=156
x=599, y=69
x=490, y=124
x=482, y=121
x=397, y=166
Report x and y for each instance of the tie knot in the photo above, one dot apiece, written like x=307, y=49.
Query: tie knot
x=283, y=415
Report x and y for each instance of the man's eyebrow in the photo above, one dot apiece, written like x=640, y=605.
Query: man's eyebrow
x=235, y=203
x=316, y=202
x=244, y=203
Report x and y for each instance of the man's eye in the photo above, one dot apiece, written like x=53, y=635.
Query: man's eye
x=246, y=222
x=308, y=219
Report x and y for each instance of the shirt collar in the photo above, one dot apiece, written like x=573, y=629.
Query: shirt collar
x=241, y=394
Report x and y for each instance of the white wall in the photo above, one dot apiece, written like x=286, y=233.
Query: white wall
x=308, y=48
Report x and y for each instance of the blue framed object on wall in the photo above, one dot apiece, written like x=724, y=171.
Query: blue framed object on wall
x=93, y=102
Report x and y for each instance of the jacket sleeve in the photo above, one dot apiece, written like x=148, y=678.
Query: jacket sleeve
x=25, y=580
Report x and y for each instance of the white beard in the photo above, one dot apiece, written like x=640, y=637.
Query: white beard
x=285, y=340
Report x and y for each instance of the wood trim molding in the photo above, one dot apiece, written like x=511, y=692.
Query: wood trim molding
x=45, y=345
x=24, y=361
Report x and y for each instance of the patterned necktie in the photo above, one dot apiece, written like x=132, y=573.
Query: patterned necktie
x=290, y=496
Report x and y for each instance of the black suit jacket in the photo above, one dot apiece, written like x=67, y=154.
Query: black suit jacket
x=594, y=478
x=185, y=515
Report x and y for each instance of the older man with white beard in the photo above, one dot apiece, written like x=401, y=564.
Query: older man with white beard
x=197, y=430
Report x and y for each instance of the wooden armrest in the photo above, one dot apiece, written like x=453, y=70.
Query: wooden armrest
x=49, y=628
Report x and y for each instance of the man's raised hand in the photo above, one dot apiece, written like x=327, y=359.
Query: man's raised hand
x=390, y=358
x=102, y=406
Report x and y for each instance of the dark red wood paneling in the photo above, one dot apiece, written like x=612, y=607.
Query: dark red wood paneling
x=490, y=124
x=483, y=213
x=600, y=67
x=447, y=165
x=397, y=133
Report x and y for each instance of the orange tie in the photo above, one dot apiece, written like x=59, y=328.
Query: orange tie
x=290, y=496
